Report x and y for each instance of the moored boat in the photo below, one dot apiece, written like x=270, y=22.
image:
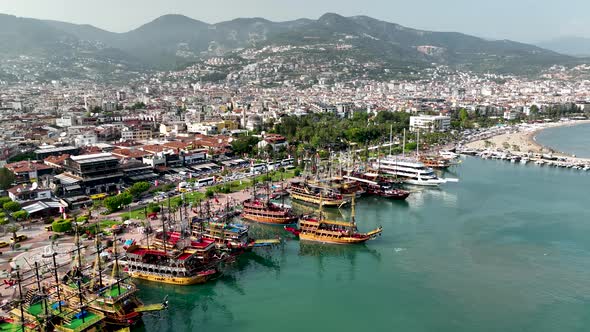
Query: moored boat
x=334, y=232
x=310, y=193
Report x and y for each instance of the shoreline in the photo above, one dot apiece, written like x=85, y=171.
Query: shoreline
x=521, y=139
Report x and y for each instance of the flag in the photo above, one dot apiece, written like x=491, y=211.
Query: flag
x=216, y=200
x=64, y=216
x=156, y=183
x=190, y=175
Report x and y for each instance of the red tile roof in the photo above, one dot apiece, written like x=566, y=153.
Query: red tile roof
x=26, y=166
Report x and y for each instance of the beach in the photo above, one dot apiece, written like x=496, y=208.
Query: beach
x=521, y=139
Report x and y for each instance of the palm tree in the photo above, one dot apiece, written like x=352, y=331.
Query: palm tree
x=13, y=228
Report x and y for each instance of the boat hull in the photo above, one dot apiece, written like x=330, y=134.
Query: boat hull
x=316, y=200
x=330, y=240
x=181, y=281
x=270, y=220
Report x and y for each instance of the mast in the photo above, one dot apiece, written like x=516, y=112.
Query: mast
x=56, y=281
x=321, y=205
x=116, y=267
x=41, y=292
x=390, y=138
x=404, y=144
x=98, y=265
x=164, y=229
x=417, y=142
x=20, y=302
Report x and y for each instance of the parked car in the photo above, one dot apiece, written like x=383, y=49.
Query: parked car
x=19, y=238
x=3, y=244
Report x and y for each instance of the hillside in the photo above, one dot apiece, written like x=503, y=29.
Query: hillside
x=172, y=41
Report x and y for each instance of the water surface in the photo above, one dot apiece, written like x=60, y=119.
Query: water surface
x=506, y=249
x=572, y=140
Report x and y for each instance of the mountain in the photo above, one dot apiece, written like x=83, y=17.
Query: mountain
x=172, y=41
x=575, y=46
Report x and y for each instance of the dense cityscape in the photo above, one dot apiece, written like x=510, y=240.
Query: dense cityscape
x=116, y=176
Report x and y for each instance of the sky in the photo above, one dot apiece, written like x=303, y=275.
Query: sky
x=520, y=20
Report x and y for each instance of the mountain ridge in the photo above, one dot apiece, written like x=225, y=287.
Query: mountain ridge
x=173, y=40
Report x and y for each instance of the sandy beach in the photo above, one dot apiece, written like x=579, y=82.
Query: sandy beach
x=521, y=139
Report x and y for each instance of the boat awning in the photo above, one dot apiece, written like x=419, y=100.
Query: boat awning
x=337, y=223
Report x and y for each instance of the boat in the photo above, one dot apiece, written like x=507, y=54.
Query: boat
x=409, y=170
x=173, y=259
x=374, y=184
x=266, y=212
x=113, y=296
x=311, y=192
x=179, y=267
x=334, y=232
x=448, y=155
x=435, y=162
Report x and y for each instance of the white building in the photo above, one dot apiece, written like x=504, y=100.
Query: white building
x=133, y=134
x=85, y=139
x=509, y=115
x=65, y=121
x=430, y=123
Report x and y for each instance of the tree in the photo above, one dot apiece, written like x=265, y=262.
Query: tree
x=13, y=228
x=116, y=203
x=20, y=215
x=23, y=156
x=61, y=225
x=6, y=178
x=534, y=111
x=4, y=199
x=153, y=208
x=11, y=206
x=139, y=188
x=209, y=193
x=244, y=144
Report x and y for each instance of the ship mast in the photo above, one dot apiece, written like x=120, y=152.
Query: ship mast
x=404, y=144
x=390, y=138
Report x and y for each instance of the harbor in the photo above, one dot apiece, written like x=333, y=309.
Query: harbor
x=442, y=263
x=519, y=144
x=417, y=227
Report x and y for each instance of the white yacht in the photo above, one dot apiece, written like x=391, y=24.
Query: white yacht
x=409, y=170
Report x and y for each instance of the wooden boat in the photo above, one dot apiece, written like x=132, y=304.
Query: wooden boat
x=310, y=193
x=374, y=184
x=334, y=232
x=268, y=212
x=435, y=162
x=179, y=267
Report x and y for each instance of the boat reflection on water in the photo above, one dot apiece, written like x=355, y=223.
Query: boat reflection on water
x=421, y=196
x=325, y=252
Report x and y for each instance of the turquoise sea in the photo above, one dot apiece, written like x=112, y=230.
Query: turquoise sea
x=572, y=140
x=505, y=249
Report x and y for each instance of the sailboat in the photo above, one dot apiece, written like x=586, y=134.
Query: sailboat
x=334, y=232
x=267, y=212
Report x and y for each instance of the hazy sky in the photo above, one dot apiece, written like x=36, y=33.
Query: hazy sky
x=521, y=20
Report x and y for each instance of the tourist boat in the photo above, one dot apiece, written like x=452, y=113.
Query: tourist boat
x=448, y=155
x=178, y=267
x=267, y=212
x=310, y=193
x=410, y=171
x=224, y=235
x=333, y=232
x=374, y=184
x=435, y=162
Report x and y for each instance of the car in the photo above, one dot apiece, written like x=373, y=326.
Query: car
x=3, y=244
x=19, y=238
